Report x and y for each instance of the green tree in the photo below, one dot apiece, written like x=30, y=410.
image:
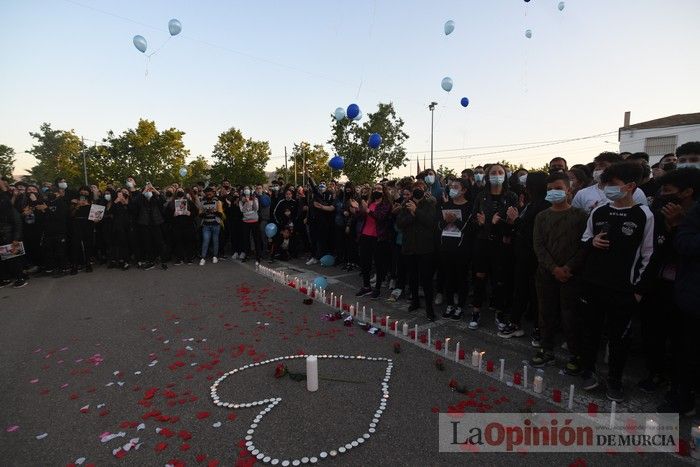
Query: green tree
x=58, y=155
x=7, y=161
x=362, y=163
x=238, y=159
x=198, y=170
x=446, y=171
x=316, y=163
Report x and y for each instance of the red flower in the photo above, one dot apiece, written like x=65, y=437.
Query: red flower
x=280, y=370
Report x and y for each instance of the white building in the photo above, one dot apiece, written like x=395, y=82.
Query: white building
x=660, y=136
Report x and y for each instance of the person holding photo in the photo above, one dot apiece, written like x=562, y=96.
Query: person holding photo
x=82, y=231
x=10, y=234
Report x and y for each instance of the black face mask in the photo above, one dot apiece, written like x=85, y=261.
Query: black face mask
x=661, y=200
x=180, y=194
x=376, y=195
x=418, y=193
x=365, y=197
x=51, y=196
x=668, y=166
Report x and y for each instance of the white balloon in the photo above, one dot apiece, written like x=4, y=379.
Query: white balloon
x=339, y=113
x=561, y=6
x=528, y=33
x=183, y=172
x=449, y=27
x=446, y=83
x=140, y=43
x=359, y=116
x=174, y=27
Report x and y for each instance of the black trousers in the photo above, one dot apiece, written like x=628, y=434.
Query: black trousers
x=687, y=369
x=610, y=309
x=399, y=271
x=524, y=292
x=661, y=323
x=495, y=259
x=11, y=269
x=455, y=270
x=184, y=238
x=54, y=252
x=558, y=305
x=377, y=252
x=31, y=237
x=81, y=245
x=152, y=245
x=321, y=233
x=252, y=228
x=420, y=273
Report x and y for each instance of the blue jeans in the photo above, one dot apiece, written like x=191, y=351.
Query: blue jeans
x=210, y=232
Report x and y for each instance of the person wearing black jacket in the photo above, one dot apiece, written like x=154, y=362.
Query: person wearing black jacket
x=31, y=228
x=117, y=229
x=321, y=220
x=10, y=234
x=148, y=206
x=54, y=241
x=182, y=222
x=82, y=231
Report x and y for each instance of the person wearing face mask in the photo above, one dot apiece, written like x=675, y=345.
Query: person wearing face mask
x=321, y=221
x=339, y=223
x=455, y=247
x=10, y=233
x=374, y=241
x=593, y=196
x=667, y=163
x=558, y=164
x=118, y=229
x=433, y=183
x=619, y=240
x=182, y=213
x=31, y=227
x=559, y=256
x=416, y=219
x=579, y=179
x=211, y=213
x=102, y=228
x=492, y=246
x=265, y=206
x=54, y=242
x=677, y=194
x=82, y=231
x=688, y=155
x=249, y=206
x=149, y=219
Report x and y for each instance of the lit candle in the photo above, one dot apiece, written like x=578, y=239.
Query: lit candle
x=475, y=358
x=387, y=323
x=571, y=397
x=447, y=345
x=357, y=307
x=352, y=310
x=332, y=300
x=405, y=329
x=428, y=337
x=613, y=406
x=457, y=353
x=396, y=327
x=651, y=428
x=538, y=384
x=312, y=373
x=415, y=332
x=524, y=376
x=364, y=317
x=503, y=364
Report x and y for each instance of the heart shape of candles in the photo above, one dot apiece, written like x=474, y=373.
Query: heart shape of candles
x=271, y=402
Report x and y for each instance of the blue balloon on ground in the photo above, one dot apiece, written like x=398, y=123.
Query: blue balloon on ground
x=375, y=140
x=321, y=282
x=464, y=102
x=339, y=113
x=174, y=27
x=353, y=111
x=140, y=43
x=336, y=163
x=271, y=230
x=327, y=260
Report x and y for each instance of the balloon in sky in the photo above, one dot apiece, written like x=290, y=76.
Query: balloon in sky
x=336, y=163
x=271, y=230
x=327, y=261
x=174, y=27
x=447, y=84
x=528, y=33
x=464, y=101
x=321, y=282
x=183, y=171
x=339, y=113
x=374, y=140
x=353, y=111
x=140, y=43
x=561, y=6
x=449, y=27
x=358, y=116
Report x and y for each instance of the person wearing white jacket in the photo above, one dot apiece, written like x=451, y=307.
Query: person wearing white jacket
x=249, y=208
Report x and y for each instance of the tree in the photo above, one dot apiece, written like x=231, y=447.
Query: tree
x=362, y=163
x=198, y=170
x=238, y=159
x=316, y=163
x=7, y=161
x=58, y=155
x=446, y=171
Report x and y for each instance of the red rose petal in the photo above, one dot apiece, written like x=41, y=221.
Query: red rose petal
x=184, y=435
x=232, y=416
x=167, y=433
x=160, y=447
x=202, y=415
x=119, y=454
x=184, y=447
x=200, y=457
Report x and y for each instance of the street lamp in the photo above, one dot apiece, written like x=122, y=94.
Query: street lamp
x=432, y=108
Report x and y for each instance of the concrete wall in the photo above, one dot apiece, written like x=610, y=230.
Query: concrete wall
x=634, y=140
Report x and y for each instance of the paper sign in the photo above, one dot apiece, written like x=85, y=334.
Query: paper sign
x=6, y=251
x=97, y=212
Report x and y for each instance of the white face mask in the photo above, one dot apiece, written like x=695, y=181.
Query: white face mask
x=246, y=192
x=430, y=179
x=596, y=175
x=130, y=184
x=62, y=185
x=688, y=165
x=148, y=194
x=523, y=179
x=497, y=180
x=108, y=197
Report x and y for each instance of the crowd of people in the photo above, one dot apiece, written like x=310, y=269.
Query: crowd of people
x=579, y=250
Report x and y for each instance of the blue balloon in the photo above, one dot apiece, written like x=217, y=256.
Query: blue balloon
x=183, y=171
x=174, y=27
x=321, y=282
x=353, y=111
x=374, y=140
x=339, y=113
x=464, y=102
x=327, y=260
x=140, y=43
x=336, y=163
x=271, y=230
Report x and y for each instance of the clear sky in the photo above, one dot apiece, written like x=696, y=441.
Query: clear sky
x=277, y=69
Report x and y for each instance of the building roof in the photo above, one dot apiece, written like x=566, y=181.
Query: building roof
x=673, y=120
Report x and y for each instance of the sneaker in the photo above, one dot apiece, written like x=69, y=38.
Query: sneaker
x=536, y=340
x=573, y=367
x=511, y=330
x=375, y=293
x=542, y=358
x=241, y=256
x=438, y=299
x=457, y=313
x=310, y=262
x=5, y=283
x=590, y=382
x=202, y=261
x=363, y=291
x=474, y=323
x=448, y=312
x=178, y=262
x=73, y=271
x=125, y=266
x=392, y=284
x=19, y=283
x=395, y=295
x=500, y=322
x=33, y=270
x=615, y=392
x=651, y=383
x=149, y=266
x=215, y=260
x=234, y=256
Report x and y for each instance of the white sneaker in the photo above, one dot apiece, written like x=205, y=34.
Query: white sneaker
x=438, y=299
x=202, y=261
x=241, y=256
x=392, y=284
x=215, y=260
x=235, y=256
x=311, y=262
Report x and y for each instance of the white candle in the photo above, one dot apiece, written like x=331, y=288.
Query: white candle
x=363, y=313
x=524, y=376
x=341, y=303
x=387, y=323
x=475, y=358
x=447, y=345
x=571, y=397
x=371, y=314
x=481, y=359
x=457, y=353
x=332, y=300
x=613, y=406
x=405, y=329
x=503, y=365
x=357, y=307
x=396, y=327
x=352, y=310
x=415, y=333
x=312, y=373
x=651, y=428
x=429, y=337
x=538, y=384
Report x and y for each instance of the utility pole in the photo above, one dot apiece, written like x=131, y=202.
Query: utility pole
x=286, y=169
x=296, y=168
x=82, y=149
x=303, y=155
x=432, y=119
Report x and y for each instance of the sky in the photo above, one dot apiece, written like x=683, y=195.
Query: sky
x=276, y=70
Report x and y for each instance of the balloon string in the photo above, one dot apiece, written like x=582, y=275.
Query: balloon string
x=371, y=30
x=147, y=61
x=159, y=48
